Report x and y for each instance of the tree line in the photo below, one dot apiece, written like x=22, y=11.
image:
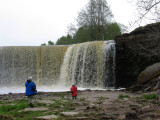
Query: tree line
x=94, y=23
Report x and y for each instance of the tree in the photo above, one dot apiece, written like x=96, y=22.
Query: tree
x=148, y=10
x=94, y=23
x=50, y=43
x=82, y=35
x=65, y=40
x=44, y=44
x=94, y=17
x=112, y=30
x=72, y=29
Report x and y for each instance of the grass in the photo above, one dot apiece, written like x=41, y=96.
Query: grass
x=11, y=111
x=21, y=104
x=58, y=102
x=123, y=96
x=150, y=96
x=41, y=104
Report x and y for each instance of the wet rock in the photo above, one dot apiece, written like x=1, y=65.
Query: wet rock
x=131, y=114
x=121, y=117
x=45, y=101
x=146, y=116
x=70, y=113
x=48, y=117
x=157, y=114
x=135, y=52
x=34, y=109
x=81, y=118
x=149, y=73
x=146, y=108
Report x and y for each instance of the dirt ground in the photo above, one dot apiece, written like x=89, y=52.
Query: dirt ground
x=100, y=105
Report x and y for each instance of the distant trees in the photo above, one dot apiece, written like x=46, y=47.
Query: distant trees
x=94, y=17
x=112, y=30
x=44, y=44
x=49, y=43
x=94, y=23
x=83, y=35
x=65, y=40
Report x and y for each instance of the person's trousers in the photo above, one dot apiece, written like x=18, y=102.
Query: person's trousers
x=74, y=97
x=31, y=99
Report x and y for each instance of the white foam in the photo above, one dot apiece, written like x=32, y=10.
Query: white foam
x=7, y=90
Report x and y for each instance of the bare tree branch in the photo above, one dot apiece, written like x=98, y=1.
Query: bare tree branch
x=148, y=10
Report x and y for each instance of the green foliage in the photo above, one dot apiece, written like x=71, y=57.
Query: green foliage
x=11, y=110
x=123, y=96
x=101, y=98
x=94, y=23
x=112, y=30
x=100, y=101
x=44, y=44
x=65, y=40
x=82, y=35
x=150, y=96
x=21, y=104
x=50, y=43
x=41, y=104
x=95, y=17
x=58, y=102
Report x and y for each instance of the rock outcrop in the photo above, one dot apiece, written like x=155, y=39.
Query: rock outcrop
x=149, y=73
x=135, y=52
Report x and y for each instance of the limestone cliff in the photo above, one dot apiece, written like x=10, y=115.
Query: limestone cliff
x=136, y=51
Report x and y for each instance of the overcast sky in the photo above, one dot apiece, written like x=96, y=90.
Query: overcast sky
x=33, y=22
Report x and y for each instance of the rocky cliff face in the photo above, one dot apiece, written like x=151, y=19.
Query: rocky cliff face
x=136, y=51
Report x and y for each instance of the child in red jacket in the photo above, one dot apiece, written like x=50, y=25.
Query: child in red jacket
x=74, y=91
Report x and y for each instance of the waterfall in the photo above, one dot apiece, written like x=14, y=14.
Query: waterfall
x=90, y=64
x=42, y=63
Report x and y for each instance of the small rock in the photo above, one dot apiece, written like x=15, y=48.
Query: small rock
x=34, y=109
x=45, y=101
x=70, y=113
x=131, y=114
x=81, y=118
x=121, y=117
x=48, y=117
x=87, y=107
x=157, y=114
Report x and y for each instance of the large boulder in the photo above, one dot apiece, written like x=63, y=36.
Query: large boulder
x=136, y=51
x=149, y=73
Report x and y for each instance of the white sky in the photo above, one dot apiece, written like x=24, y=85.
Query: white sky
x=33, y=22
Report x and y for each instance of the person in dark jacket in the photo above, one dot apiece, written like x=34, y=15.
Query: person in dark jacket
x=74, y=91
x=30, y=91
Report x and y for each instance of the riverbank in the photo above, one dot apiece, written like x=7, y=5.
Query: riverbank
x=90, y=105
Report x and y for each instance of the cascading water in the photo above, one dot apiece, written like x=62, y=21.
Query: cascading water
x=42, y=63
x=89, y=65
